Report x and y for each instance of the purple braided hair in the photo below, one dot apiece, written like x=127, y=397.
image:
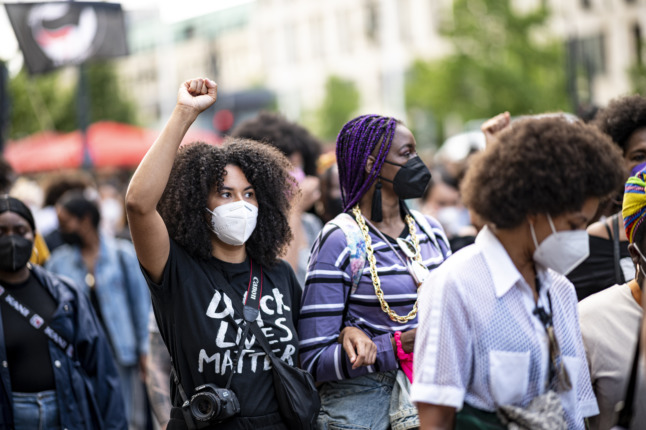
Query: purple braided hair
x=356, y=141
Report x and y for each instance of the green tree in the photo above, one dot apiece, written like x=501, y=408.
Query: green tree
x=40, y=103
x=637, y=74
x=340, y=103
x=107, y=101
x=497, y=65
x=46, y=102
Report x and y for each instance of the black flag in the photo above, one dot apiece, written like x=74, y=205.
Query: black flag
x=57, y=34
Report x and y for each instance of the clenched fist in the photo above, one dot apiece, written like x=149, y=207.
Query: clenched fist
x=197, y=94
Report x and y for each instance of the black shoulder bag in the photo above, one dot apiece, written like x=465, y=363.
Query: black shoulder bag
x=626, y=408
x=616, y=253
x=297, y=397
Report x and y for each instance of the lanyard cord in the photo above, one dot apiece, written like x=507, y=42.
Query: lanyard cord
x=251, y=310
x=555, y=359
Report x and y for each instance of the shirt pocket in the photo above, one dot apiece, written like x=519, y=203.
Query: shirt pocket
x=508, y=376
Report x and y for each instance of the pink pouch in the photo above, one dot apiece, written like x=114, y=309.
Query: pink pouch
x=405, y=358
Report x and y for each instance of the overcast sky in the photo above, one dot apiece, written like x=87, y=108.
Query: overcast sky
x=169, y=11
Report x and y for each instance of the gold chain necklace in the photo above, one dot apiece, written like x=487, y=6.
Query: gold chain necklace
x=373, y=264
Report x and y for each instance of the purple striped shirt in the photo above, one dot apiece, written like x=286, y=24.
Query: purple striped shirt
x=324, y=312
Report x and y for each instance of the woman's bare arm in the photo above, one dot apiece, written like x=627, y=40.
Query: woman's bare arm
x=435, y=417
x=149, y=233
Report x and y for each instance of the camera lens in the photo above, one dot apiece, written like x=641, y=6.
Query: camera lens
x=205, y=406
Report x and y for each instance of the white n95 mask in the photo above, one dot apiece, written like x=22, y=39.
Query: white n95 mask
x=561, y=251
x=234, y=222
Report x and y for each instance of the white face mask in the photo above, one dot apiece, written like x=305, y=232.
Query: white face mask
x=561, y=251
x=234, y=222
x=453, y=219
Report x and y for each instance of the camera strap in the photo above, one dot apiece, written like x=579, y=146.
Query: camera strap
x=251, y=308
x=188, y=419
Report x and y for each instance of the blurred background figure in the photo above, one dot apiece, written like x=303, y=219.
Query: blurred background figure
x=610, y=323
x=55, y=185
x=302, y=149
x=107, y=270
x=330, y=203
x=7, y=176
x=113, y=213
x=609, y=263
x=442, y=201
x=158, y=368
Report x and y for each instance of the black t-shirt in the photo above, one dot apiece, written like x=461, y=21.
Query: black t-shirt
x=597, y=272
x=30, y=366
x=201, y=330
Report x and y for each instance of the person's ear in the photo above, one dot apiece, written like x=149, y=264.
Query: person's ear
x=634, y=254
x=532, y=220
x=370, y=163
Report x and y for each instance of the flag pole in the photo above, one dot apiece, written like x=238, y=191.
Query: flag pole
x=83, y=103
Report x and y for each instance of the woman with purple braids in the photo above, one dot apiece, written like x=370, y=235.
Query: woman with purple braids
x=359, y=311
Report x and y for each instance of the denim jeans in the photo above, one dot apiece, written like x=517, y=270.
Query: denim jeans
x=133, y=391
x=365, y=402
x=36, y=411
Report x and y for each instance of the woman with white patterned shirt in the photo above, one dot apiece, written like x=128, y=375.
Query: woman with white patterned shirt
x=500, y=327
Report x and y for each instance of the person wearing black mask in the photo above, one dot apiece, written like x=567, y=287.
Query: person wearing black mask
x=359, y=316
x=56, y=370
x=107, y=270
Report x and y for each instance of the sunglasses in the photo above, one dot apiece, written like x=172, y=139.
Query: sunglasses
x=417, y=269
x=407, y=247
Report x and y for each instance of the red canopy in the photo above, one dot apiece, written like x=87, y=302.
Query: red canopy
x=110, y=144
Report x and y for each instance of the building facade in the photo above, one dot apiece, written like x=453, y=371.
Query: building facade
x=292, y=47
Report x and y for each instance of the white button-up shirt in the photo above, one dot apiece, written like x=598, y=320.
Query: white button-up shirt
x=479, y=342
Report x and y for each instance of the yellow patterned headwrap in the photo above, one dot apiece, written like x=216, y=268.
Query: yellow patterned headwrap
x=634, y=207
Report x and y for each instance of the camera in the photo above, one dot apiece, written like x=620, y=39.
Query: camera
x=210, y=405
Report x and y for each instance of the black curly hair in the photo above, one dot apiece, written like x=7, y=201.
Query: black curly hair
x=546, y=165
x=199, y=169
x=60, y=183
x=622, y=117
x=287, y=136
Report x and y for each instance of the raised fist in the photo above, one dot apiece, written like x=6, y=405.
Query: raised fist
x=198, y=93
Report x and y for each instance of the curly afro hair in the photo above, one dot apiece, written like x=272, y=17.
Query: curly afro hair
x=287, y=136
x=199, y=169
x=546, y=165
x=622, y=117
